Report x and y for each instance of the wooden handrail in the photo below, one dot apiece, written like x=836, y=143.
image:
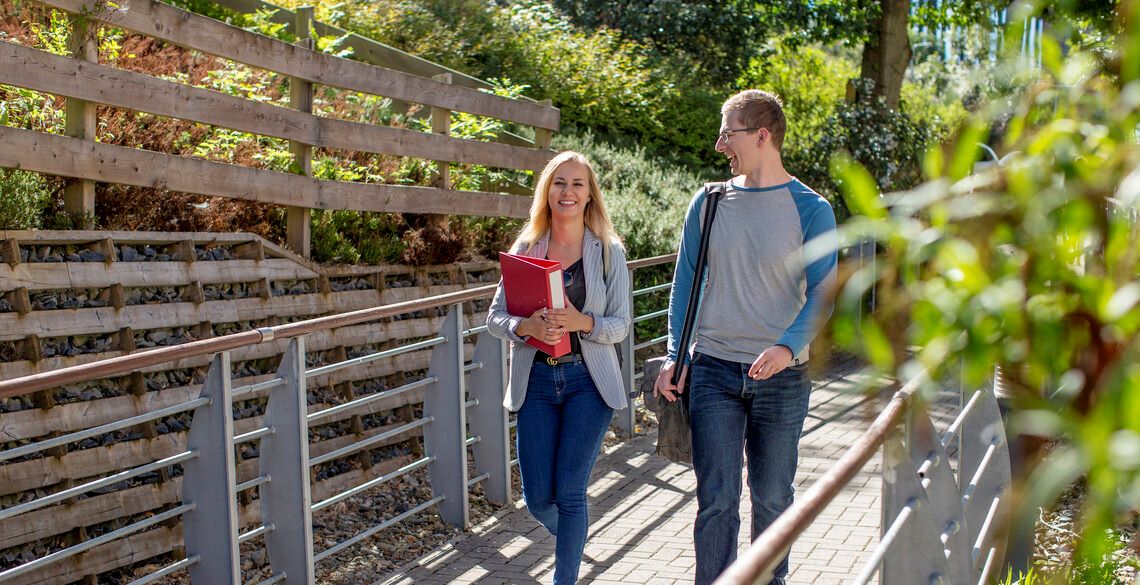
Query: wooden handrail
x=652, y=261
x=126, y=364
x=755, y=565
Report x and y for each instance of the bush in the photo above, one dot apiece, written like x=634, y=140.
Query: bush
x=811, y=83
x=24, y=199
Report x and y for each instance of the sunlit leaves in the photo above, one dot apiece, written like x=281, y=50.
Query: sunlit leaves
x=858, y=187
x=1030, y=265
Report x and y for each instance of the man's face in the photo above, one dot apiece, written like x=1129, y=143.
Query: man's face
x=736, y=141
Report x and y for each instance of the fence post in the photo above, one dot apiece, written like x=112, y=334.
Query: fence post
x=286, y=498
x=489, y=419
x=211, y=529
x=441, y=124
x=445, y=435
x=543, y=136
x=626, y=418
x=80, y=122
x=298, y=219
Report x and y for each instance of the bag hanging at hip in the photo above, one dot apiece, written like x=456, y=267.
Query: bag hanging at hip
x=674, y=433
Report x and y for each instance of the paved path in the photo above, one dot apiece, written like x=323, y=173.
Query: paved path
x=642, y=509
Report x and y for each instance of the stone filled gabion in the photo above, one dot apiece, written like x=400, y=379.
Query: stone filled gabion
x=398, y=545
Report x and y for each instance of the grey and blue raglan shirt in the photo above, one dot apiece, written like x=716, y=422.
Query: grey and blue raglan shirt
x=758, y=291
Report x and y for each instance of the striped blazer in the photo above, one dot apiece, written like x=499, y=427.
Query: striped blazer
x=607, y=301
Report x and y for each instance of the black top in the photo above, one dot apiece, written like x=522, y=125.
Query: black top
x=575, y=282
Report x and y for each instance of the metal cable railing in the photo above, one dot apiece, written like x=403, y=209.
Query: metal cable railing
x=925, y=508
x=283, y=482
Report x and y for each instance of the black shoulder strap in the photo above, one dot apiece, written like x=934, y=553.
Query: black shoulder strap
x=713, y=194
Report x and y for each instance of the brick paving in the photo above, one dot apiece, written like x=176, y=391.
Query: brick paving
x=642, y=509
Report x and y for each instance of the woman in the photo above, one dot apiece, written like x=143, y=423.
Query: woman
x=564, y=408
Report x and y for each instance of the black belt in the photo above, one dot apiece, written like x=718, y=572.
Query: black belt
x=557, y=361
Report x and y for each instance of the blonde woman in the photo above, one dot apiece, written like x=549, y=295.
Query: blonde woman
x=565, y=404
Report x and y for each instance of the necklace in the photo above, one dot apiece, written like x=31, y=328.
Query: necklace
x=565, y=246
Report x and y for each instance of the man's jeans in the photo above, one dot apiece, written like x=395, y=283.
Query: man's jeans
x=731, y=414
x=560, y=429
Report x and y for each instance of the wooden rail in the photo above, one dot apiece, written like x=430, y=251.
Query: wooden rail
x=86, y=83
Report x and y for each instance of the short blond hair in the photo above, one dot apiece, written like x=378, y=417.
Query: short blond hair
x=759, y=109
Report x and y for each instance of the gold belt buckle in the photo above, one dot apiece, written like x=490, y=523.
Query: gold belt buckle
x=551, y=360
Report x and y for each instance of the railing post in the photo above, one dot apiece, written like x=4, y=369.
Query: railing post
x=916, y=556
x=489, y=419
x=927, y=453
x=626, y=417
x=445, y=435
x=211, y=529
x=80, y=122
x=286, y=498
x=298, y=219
x=983, y=444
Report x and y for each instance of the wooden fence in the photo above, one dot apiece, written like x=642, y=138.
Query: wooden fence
x=86, y=83
x=69, y=298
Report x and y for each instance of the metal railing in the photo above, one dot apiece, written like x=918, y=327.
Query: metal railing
x=462, y=408
x=938, y=521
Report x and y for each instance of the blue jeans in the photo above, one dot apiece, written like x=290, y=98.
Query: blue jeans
x=732, y=414
x=560, y=429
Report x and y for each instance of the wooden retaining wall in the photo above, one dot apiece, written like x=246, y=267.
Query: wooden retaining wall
x=69, y=298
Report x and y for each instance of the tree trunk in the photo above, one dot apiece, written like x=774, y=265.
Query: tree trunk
x=886, y=53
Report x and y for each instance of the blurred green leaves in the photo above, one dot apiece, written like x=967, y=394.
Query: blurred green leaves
x=1030, y=265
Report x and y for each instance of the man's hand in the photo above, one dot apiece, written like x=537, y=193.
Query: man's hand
x=770, y=362
x=664, y=384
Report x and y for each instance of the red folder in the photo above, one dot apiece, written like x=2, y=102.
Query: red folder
x=531, y=284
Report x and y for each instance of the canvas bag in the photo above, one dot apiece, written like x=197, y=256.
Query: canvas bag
x=674, y=434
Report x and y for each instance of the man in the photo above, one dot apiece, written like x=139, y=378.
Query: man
x=760, y=308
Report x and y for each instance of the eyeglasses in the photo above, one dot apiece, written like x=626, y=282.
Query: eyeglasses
x=567, y=278
x=728, y=132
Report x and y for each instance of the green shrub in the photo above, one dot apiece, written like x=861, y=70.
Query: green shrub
x=24, y=198
x=811, y=83
x=350, y=237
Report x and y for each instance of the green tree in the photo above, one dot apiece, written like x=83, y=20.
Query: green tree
x=720, y=36
x=1030, y=265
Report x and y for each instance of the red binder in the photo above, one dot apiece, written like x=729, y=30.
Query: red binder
x=531, y=284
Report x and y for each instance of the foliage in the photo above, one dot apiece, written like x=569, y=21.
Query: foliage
x=809, y=81
x=23, y=199
x=349, y=237
x=719, y=36
x=600, y=80
x=888, y=143
x=1030, y=265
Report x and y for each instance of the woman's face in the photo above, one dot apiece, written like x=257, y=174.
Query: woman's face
x=569, y=192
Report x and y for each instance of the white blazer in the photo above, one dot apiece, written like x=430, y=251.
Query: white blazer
x=607, y=301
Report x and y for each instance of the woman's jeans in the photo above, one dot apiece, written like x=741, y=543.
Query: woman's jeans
x=560, y=429
x=731, y=414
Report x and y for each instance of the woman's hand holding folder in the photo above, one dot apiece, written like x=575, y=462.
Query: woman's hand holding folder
x=536, y=326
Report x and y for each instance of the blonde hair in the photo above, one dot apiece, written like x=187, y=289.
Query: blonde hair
x=759, y=109
x=596, y=216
